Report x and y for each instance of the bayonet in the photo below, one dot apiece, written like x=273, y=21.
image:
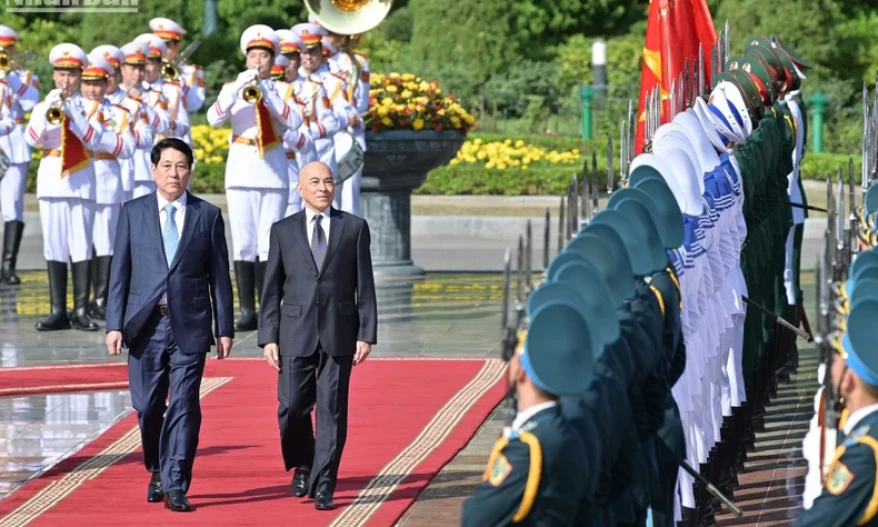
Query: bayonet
x=840, y=220
x=562, y=225
x=584, y=195
x=673, y=97
x=546, y=239
x=623, y=154
x=701, y=70
x=528, y=254
x=519, y=276
x=714, y=58
x=610, y=174
x=726, y=45
x=594, y=182
x=632, y=131
x=687, y=88
x=867, y=126
x=573, y=206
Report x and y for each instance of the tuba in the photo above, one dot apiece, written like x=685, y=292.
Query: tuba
x=350, y=18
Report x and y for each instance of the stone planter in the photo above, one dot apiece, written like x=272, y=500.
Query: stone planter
x=396, y=163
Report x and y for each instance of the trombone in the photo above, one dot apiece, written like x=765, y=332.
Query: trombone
x=170, y=71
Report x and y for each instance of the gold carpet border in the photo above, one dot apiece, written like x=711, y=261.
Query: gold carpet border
x=90, y=469
x=379, y=489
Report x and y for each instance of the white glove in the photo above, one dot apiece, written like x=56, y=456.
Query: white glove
x=245, y=78
x=53, y=96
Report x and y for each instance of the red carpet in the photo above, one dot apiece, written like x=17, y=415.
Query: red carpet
x=60, y=379
x=408, y=418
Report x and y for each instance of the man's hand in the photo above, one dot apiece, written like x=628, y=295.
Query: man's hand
x=224, y=347
x=363, y=351
x=114, y=342
x=271, y=355
x=354, y=120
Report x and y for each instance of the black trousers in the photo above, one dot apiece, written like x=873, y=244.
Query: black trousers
x=158, y=369
x=303, y=382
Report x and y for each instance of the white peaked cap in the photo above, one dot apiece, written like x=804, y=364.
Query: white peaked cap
x=672, y=138
x=683, y=169
x=703, y=147
x=260, y=36
x=654, y=161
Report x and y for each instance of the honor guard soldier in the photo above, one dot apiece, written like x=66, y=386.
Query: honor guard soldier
x=850, y=491
x=256, y=172
x=298, y=143
x=192, y=74
x=117, y=143
x=66, y=187
x=535, y=473
x=21, y=89
x=137, y=174
x=170, y=93
x=358, y=95
x=314, y=69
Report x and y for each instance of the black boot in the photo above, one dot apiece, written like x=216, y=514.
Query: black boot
x=58, y=299
x=12, y=231
x=101, y=279
x=260, y=277
x=80, y=318
x=245, y=278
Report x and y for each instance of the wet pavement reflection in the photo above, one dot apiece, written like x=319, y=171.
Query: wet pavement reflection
x=447, y=315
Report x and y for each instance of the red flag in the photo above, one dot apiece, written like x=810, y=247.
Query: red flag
x=674, y=29
x=73, y=153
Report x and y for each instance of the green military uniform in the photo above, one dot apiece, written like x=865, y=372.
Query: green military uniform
x=538, y=470
x=850, y=490
x=533, y=478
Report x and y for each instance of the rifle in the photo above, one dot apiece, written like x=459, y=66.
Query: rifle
x=827, y=274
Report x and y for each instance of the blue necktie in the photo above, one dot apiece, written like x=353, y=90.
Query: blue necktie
x=318, y=242
x=170, y=235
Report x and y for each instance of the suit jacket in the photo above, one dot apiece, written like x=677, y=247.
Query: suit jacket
x=334, y=306
x=197, y=281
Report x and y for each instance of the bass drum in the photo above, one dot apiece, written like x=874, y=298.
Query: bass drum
x=348, y=155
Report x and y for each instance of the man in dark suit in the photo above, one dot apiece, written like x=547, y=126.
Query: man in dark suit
x=168, y=285
x=318, y=319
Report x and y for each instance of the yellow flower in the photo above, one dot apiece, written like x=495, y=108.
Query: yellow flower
x=418, y=124
x=386, y=121
x=387, y=101
x=383, y=111
x=405, y=94
x=391, y=89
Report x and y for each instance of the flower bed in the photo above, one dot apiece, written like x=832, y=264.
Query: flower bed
x=407, y=102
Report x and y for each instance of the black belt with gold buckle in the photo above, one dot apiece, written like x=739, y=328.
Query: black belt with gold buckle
x=163, y=310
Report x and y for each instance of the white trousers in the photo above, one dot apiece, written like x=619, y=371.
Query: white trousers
x=104, y=231
x=12, y=188
x=252, y=212
x=788, y=267
x=142, y=188
x=67, y=228
x=348, y=195
x=294, y=203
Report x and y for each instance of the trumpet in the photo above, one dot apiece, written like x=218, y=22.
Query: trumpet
x=5, y=62
x=251, y=93
x=55, y=114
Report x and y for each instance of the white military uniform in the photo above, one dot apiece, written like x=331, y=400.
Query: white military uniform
x=358, y=95
x=144, y=131
x=173, y=94
x=117, y=142
x=311, y=36
x=155, y=115
x=192, y=75
x=256, y=177
x=21, y=93
x=795, y=194
x=298, y=145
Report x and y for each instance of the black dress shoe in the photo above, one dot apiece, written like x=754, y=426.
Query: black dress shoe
x=323, y=501
x=154, y=492
x=176, y=501
x=300, y=481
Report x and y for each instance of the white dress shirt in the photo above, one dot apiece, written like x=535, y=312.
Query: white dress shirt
x=523, y=416
x=324, y=223
x=180, y=215
x=855, y=417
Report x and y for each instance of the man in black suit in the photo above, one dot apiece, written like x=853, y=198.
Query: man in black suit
x=168, y=285
x=318, y=319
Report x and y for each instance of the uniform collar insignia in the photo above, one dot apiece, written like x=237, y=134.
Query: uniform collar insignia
x=854, y=436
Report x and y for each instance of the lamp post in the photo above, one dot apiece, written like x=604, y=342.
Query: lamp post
x=599, y=66
x=818, y=104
